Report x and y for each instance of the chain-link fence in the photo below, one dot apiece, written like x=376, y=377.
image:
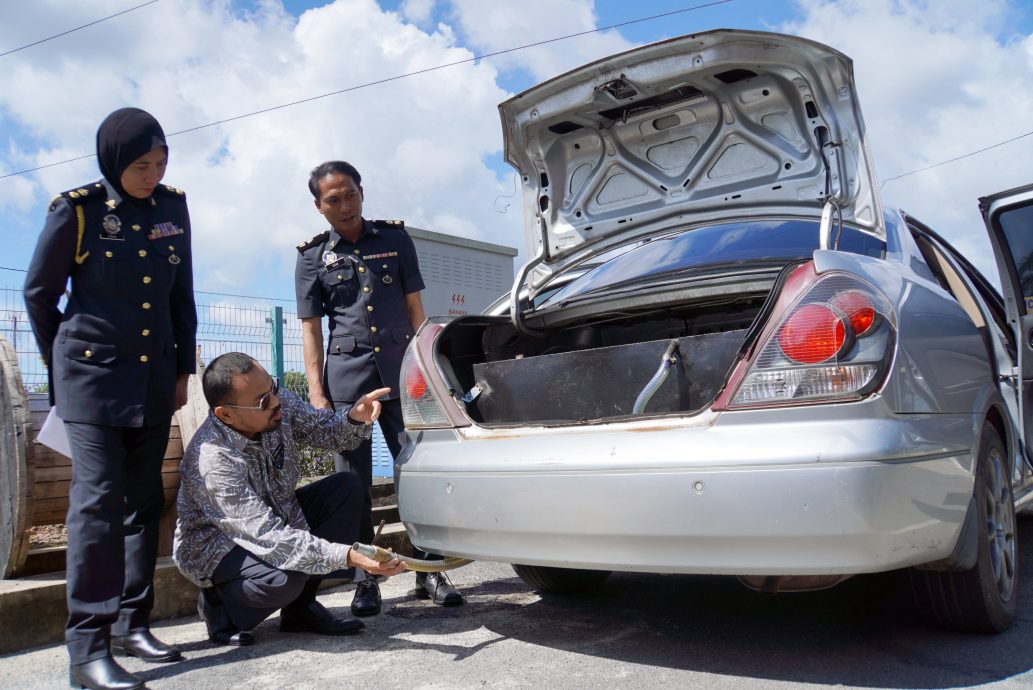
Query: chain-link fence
x=233, y=323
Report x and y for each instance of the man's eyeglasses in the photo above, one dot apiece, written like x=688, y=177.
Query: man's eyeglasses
x=263, y=402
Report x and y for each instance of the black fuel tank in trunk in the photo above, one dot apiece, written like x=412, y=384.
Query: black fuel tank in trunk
x=604, y=382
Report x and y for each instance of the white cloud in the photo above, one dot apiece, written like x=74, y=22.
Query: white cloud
x=492, y=26
x=418, y=11
x=421, y=142
x=937, y=82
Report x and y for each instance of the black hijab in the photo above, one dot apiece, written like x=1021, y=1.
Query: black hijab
x=124, y=136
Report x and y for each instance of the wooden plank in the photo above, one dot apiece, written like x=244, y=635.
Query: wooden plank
x=42, y=456
x=50, y=489
x=174, y=449
x=53, y=474
x=52, y=517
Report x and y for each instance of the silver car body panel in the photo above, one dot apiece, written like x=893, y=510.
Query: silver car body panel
x=802, y=490
x=765, y=492
x=703, y=126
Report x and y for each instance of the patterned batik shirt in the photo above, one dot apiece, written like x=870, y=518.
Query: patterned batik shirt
x=238, y=492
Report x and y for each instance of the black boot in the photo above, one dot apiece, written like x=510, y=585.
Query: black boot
x=146, y=646
x=367, y=598
x=217, y=621
x=437, y=588
x=102, y=674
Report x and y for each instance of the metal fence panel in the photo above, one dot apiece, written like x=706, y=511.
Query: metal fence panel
x=243, y=325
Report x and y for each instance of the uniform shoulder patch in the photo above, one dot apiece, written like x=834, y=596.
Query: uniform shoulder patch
x=169, y=190
x=396, y=224
x=81, y=195
x=318, y=239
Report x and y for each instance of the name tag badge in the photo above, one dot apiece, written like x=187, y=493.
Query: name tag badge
x=111, y=228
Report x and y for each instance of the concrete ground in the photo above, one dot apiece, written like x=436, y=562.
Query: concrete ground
x=638, y=630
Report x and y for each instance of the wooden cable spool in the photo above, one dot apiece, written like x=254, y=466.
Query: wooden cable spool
x=15, y=470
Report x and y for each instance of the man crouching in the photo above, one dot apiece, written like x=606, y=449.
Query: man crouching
x=251, y=541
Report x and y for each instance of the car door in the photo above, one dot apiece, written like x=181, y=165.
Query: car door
x=1009, y=220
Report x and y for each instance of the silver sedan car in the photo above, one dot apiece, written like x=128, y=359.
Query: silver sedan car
x=726, y=356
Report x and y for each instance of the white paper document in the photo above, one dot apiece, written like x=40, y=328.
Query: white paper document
x=53, y=434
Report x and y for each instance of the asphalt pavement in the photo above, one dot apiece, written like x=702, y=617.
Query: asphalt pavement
x=637, y=630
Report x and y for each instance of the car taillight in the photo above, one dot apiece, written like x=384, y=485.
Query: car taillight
x=857, y=308
x=813, y=334
x=422, y=408
x=415, y=384
x=832, y=343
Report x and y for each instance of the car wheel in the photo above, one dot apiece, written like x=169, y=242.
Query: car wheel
x=560, y=580
x=982, y=598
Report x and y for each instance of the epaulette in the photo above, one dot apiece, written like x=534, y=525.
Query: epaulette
x=396, y=224
x=80, y=195
x=318, y=239
x=169, y=190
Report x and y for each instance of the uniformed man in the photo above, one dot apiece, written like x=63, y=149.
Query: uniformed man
x=365, y=277
x=118, y=359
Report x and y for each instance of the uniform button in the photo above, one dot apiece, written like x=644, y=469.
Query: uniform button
x=145, y=332
x=136, y=228
x=365, y=289
x=361, y=269
x=385, y=265
x=146, y=305
x=373, y=329
x=376, y=349
x=146, y=280
x=369, y=308
x=108, y=254
x=356, y=251
x=88, y=353
x=142, y=252
x=143, y=358
x=340, y=276
x=172, y=248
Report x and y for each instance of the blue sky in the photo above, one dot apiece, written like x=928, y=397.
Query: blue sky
x=937, y=79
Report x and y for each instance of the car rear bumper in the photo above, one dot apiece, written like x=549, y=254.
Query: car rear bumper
x=723, y=496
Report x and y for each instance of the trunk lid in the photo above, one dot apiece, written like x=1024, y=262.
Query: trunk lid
x=712, y=125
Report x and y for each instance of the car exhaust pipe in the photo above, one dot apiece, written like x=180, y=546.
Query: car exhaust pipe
x=772, y=584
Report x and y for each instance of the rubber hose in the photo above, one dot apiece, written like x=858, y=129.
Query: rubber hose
x=382, y=555
x=666, y=362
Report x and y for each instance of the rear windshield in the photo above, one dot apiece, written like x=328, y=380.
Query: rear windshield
x=740, y=243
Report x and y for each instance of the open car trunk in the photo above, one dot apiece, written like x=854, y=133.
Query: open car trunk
x=595, y=369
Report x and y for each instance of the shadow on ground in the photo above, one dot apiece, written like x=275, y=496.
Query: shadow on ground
x=865, y=632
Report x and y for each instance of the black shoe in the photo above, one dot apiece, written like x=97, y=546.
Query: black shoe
x=437, y=588
x=217, y=622
x=367, y=598
x=145, y=646
x=315, y=618
x=102, y=674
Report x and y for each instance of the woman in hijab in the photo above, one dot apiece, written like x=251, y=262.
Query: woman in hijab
x=118, y=359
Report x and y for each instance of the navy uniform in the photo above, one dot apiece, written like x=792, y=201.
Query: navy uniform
x=361, y=288
x=113, y=354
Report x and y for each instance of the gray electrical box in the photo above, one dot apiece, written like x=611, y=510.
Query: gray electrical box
x=461, y=276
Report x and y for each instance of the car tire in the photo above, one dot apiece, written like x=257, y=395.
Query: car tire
x=982, y=598
x=560, y=580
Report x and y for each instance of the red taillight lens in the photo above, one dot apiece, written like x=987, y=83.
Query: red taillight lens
x=415, y=384
x=857, y=308
x=813, y=334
